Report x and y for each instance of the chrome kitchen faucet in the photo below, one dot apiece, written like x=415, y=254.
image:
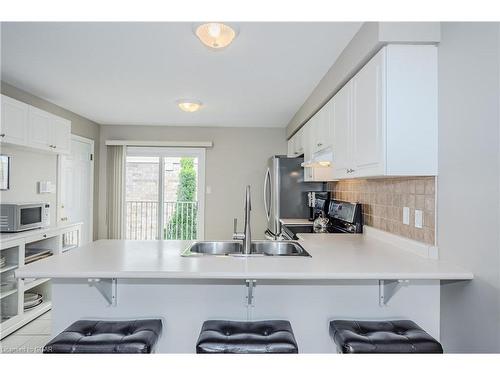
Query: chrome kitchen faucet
x=246, y=236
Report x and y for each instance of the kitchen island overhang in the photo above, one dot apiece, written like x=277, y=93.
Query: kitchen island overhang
x=352, y=277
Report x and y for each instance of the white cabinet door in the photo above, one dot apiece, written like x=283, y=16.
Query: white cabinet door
x=14, y=126
x=322, y=135
x=306, y=140
x=290, y=148
x=342, y=127
x=298, y=144
x=39, y=129
x=318, y=130
x=61, y=135
x=369, y=118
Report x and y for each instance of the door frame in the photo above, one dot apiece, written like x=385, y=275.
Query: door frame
x=91, y=142
x=198, y=152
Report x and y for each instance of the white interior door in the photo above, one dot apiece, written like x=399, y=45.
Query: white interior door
x=76, y=186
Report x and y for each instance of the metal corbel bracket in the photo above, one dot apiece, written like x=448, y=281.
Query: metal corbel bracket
x=250, y=286
x=388, y=288
x=107, y=287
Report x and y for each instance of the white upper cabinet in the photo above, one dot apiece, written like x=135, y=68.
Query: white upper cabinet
x=14, y=126
x=29, y=126
x=39, y=129
x=342, y=127
x=320, y=128
x=61, y=135
x=385, y=117
x=296, y=144
x=368, y=128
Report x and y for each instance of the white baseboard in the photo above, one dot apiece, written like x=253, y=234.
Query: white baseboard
x=418, y=248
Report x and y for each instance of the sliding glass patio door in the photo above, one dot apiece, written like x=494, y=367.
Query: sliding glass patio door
x=164, y=197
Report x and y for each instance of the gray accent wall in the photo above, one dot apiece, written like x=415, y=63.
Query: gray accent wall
x=238, y=158
x=48, y=163
x=468, y=184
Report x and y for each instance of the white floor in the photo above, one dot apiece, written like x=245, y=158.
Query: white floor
x=29, y=339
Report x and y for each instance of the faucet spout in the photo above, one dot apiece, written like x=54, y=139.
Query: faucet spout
x=247, y=241
x=246, y=236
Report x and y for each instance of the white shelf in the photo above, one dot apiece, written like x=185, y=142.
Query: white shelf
x=17, y=321
x=34, y=283
x=8, y=268
x=8, y=293
x=15, y=245
x=69, y=247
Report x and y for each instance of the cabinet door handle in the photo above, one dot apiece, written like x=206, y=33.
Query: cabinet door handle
x=320, y=144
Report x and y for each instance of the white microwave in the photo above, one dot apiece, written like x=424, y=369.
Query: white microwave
x=17, y=217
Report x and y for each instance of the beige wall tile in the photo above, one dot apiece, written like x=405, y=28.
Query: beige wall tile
x=383, y=201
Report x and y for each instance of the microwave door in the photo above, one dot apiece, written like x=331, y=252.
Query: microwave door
x=30, y=217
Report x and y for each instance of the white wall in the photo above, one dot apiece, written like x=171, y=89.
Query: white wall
x=27, y=168
x=238, y=158
x=468, y=184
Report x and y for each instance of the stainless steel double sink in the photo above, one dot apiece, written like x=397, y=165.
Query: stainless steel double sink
x=235, y=248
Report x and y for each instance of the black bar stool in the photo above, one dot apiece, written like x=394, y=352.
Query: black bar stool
x=268, y=336
x=98, y=336
x=393, y=336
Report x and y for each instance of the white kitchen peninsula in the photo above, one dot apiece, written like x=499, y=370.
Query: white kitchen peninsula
x=348, y=276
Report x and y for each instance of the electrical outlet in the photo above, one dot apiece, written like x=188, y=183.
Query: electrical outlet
x=406, y=215
x=418, y=219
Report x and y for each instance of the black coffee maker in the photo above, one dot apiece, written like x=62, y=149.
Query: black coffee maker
x=318, y=202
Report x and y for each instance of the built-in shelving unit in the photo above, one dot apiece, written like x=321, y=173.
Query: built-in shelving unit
x=23, y=248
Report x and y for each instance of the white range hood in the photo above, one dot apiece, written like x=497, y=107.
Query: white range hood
x=323, y=158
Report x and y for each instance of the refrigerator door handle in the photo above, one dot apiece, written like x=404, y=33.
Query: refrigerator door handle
x=266, y=186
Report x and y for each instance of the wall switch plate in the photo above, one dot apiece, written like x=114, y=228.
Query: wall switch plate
x=418, y=219
x=406, y=215
x=44, y=187
x=208, y=190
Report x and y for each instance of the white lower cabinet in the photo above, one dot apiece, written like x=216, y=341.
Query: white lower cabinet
x=25, y=125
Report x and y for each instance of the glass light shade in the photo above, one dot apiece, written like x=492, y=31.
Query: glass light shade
x=189, y=105
x=215, y=35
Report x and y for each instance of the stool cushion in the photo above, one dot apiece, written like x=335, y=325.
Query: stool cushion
x=395, y=336
x=96, y=336
x=269, y=336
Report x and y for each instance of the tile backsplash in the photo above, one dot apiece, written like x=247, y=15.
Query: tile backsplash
x=383, y=201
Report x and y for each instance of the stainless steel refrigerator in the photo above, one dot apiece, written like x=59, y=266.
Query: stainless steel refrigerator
x=285, y=192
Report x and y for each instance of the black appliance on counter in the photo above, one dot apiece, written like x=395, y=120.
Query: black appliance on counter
x=345, y=217
x=318, y=202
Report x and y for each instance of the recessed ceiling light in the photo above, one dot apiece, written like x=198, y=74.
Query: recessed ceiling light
x=189, y=105
x=215, y=35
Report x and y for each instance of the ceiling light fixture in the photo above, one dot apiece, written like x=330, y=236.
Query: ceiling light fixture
x=215, y=35
x=189, y=105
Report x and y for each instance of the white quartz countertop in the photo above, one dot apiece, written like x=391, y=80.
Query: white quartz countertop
x=4, y=237
x=296, y=222
x=334, y=257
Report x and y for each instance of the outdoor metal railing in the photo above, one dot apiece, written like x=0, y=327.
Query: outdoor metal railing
x=179, y=220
